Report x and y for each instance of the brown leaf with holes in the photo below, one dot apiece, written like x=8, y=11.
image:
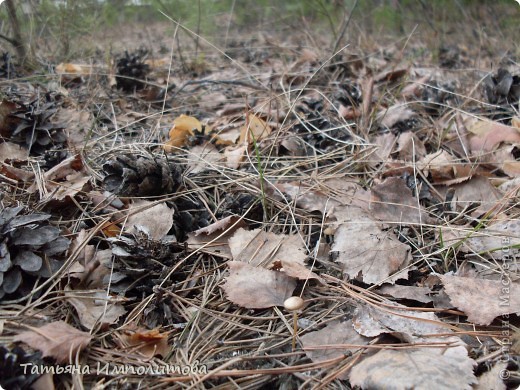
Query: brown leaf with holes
x=58, y=340
x=256, y=287
x=483, y=300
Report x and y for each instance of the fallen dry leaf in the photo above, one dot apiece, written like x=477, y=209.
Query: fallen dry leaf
x=324, y=197
x=94, y=307
x=150, y=343
x=407, y=325
x=256, y=287
x=221, y=224
x=57, y=339
x=214, y=238
x=255, y=130
x=385, y=145
x=425, y=369
x=63, y=180
x=183, y=127
x=487, y=135
x=492, y=379
x=202, y=157
x=419, y=294
x=477, y=190
x=444, y=169
x=12, y=152
x=260, y=248
x=483, y=300
x=370, y=254
x=155, y=221
x=499, y=239
x=392, y=115
x=392, y=201
x=234, y=155
x=409, y=147
x=333, y=335
x=414, y=88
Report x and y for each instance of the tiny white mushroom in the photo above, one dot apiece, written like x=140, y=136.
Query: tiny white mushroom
x=293, y=303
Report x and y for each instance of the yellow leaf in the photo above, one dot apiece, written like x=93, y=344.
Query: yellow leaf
x=183, y=128
x=110, y=229
x=255, y=129
x=67, y=67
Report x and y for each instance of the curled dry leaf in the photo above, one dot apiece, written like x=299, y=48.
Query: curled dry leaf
x=257, y=288
x=255, y=129
x=425, y=369
x=444, y=169
x=183, y=127
x=57, y=339
x=150, y=343
x=65, y=179
x=483, y=300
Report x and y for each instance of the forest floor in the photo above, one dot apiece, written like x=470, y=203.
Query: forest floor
x=159, y=206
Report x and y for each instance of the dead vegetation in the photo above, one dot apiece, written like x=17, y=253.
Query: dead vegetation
x=157, y=212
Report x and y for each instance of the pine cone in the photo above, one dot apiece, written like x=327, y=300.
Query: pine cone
x=29, y=248
x=135, y=256
x=502, y=87
x=30, y=124
x=131, y=69
x=12, y=375
x=141, y=176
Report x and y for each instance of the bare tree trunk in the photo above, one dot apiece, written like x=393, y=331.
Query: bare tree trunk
x=17, y=40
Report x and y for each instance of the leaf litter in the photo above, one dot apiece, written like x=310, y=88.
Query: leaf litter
x=381, y=191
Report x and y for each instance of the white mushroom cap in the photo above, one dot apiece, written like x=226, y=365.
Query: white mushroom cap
x=293, y=303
